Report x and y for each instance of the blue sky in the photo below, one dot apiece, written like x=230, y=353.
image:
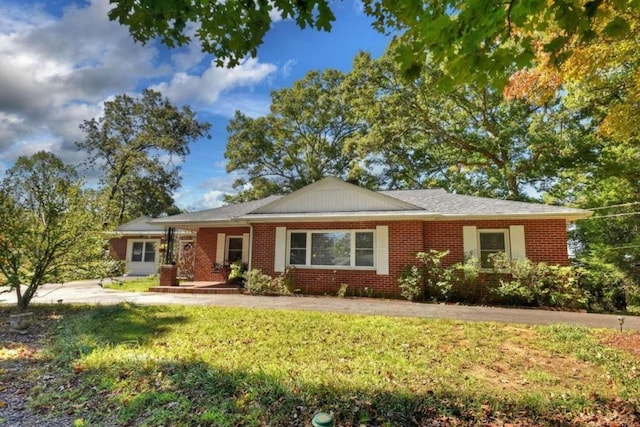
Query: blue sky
x=61, y=60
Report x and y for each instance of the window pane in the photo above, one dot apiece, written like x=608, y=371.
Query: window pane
x=492, y=242
x=136, y=251
x=364, y=240
x=235, y=243
x=150, y=252
x=364, y=257
x=331, y=249
x=298, y=257
x=298, y=240
x=298, y=249
x=234, y=249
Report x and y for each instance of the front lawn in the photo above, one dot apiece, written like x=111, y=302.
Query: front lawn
x=135, y=285
x=174, y=365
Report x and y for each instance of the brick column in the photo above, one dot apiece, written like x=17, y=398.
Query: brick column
x=168, y=275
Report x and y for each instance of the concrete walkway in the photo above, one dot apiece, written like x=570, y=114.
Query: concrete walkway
x=91, y=292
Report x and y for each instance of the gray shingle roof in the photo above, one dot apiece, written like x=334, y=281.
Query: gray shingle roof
x=429, y=203
x=223, y=213
x=140, y=225
x=439, y=201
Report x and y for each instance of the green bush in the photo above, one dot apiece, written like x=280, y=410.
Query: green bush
x=609, y=288
x=411, y=283
x=258, y=283
x=524, y=282
x=518, y=282
x=236, y=275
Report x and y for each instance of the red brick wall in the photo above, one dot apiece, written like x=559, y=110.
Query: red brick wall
x=206, y=244
x=545, y=240
x=405, y=239
x=118, y=248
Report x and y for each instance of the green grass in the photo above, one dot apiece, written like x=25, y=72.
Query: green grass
x=155, y=366
x=136, y=285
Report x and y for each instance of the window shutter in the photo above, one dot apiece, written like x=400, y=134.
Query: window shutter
x=281, y=249
x=516, y=235
x=470, y=242
x=382, y=250
x=222, y=239
x=245, y=248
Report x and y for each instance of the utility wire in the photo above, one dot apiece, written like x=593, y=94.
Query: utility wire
x=613, y=215
x=614, y=206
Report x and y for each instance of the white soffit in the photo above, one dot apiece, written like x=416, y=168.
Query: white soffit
x=332, y=195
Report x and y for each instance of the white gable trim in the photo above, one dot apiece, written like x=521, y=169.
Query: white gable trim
x=385, y=203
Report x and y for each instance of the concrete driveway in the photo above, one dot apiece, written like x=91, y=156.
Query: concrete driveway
x=91, y=292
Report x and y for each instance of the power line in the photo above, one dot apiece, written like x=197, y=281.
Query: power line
x=613, y=215
x=614, y=206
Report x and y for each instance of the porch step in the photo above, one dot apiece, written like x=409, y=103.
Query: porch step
x=196, y=290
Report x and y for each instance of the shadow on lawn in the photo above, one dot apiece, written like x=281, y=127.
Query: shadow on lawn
x=158, y=393
x=142, y=389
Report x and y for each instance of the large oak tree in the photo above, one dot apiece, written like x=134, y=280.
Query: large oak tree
x=137, y=147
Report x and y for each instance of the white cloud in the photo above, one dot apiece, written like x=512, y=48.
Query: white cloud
x=206, y=195
x=288, y=66
x=250, y=105
x=206, y=88
x=55, y=72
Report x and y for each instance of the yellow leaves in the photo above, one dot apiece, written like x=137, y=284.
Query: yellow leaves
x=538, y=86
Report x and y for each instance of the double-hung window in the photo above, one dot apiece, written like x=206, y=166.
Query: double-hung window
x=341, y=248
x=143, y=252
x=492, y=242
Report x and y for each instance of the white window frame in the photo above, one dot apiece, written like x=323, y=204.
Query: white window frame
x=352, y=249
x=228, y=247
x=507, y=243
x=144, y=242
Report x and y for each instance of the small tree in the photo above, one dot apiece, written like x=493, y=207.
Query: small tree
x=49, y=230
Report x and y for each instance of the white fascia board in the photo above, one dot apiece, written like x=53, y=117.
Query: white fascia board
x=569, y=217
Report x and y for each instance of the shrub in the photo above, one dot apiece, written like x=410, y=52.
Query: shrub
x=524, y=282
x=411, y=283
x=236, y=275
x=258, y=283
x=342, y=292
x=608, y=287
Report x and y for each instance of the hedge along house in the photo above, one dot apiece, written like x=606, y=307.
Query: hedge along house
x=332, y=232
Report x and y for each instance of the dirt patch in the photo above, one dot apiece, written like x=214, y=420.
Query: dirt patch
x=20, y=355
x=625, y=341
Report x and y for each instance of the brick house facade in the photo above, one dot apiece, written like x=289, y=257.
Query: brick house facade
x=331, y=233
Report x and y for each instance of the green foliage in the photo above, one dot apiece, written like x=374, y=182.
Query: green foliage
x=431, y=280
x=229, y=30
x=342, y=291
x=523, y=282
x=608, y=287
x=237, y=271
x=258, y=283
x=469, y=140
x=411, y=283
x=50, y=229
x=475, y=41
x=519, y=282
x=300, y=141
x=127, y=145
